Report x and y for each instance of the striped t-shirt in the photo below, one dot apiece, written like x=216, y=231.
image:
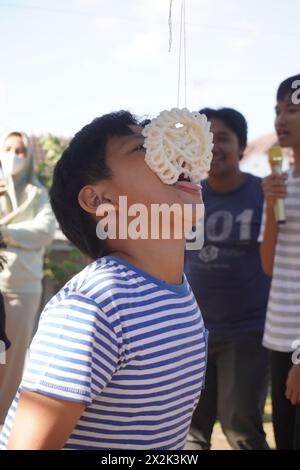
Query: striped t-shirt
x=282, y=326
x=130, y=347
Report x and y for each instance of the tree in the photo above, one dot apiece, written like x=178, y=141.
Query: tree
x=53, y=147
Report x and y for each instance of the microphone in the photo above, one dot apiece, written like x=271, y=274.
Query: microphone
x=275, y=160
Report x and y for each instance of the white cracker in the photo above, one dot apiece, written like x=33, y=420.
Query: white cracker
x=176, y=142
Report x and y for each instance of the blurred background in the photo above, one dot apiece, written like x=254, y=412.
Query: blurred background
x=64, y=62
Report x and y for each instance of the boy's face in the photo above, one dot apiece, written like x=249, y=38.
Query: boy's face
x=287, y=123
x=226, y=150
x=131, y=176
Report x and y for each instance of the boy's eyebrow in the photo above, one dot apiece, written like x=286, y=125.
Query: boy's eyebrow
x=135, y=136
x=127, y=145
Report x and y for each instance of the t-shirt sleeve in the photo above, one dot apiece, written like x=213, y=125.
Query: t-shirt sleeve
x=262, y=225
x=74, y=352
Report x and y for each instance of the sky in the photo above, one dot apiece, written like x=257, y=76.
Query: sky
x=64, y=62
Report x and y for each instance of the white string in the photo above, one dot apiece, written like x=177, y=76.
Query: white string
x=182, y=44
x=182, y=41
x=170, y=26
x=184, y=56
x=179, y=56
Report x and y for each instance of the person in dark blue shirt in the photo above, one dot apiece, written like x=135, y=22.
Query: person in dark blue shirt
x=232, y=292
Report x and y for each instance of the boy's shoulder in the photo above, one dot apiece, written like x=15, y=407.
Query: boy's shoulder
x=94, y=286
x=103, y=273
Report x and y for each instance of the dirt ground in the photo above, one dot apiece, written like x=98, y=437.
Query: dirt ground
x=219, y=441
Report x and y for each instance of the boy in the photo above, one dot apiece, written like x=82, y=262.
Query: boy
x=119, y=358
x=281, y=259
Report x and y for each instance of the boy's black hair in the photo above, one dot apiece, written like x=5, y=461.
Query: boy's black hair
x=83, y=162
x=232, y=119
x=285, y=89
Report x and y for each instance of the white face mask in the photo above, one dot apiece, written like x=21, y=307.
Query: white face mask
x=11, y=163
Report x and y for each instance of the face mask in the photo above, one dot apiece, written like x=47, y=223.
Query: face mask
x=11, y=163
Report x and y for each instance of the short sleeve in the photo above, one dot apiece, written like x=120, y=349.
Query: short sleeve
x=74, y=353
x=262, y=225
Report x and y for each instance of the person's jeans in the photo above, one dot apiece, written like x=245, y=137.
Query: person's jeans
x=235, y=391
x=286, y=417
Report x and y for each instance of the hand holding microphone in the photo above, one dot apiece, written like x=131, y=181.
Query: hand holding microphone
x=274, y=185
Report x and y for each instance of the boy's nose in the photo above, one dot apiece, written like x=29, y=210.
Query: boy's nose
x=280, y=120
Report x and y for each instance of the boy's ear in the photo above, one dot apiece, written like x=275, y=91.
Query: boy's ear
x=89, y=199
x=242, y=150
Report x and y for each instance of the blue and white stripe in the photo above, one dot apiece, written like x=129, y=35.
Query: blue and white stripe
x=129, y=346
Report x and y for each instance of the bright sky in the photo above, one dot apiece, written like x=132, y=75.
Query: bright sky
x=64, y=62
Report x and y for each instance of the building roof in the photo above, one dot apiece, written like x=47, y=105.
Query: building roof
x=260, y=145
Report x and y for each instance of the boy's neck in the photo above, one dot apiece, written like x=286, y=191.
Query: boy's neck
x=226, y=183
x=163, y=259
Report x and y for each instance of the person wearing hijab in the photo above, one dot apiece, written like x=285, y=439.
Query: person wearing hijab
x=27, y=225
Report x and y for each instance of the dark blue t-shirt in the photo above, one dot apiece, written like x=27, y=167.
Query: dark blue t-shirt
x=226, y=274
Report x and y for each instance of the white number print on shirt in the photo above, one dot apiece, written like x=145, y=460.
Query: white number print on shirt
x=219, y=225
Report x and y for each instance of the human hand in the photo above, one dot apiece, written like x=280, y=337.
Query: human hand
x=274, y=187
x=292, y=391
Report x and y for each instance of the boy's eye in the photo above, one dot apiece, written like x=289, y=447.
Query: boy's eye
x=223, y=140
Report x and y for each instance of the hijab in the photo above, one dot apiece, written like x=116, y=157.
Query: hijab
x=23, y=189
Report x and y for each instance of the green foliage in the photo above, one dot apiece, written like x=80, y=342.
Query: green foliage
x=62, y=272
x=53, y=147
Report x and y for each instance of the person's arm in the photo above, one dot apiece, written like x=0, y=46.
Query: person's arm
x=31, y=234
x=268, y=244
x=55, y=389
x=43, y=422
x=292, y=391
x=274, y=188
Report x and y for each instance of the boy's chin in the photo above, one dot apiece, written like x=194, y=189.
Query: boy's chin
x=287, y=142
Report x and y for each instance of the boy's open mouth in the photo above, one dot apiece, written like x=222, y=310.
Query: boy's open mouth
x=184, y=184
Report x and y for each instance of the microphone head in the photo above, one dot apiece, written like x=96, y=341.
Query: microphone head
x=275, y=156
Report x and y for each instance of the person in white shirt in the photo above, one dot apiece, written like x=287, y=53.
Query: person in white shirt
x=27, y=225
x=280, y=254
